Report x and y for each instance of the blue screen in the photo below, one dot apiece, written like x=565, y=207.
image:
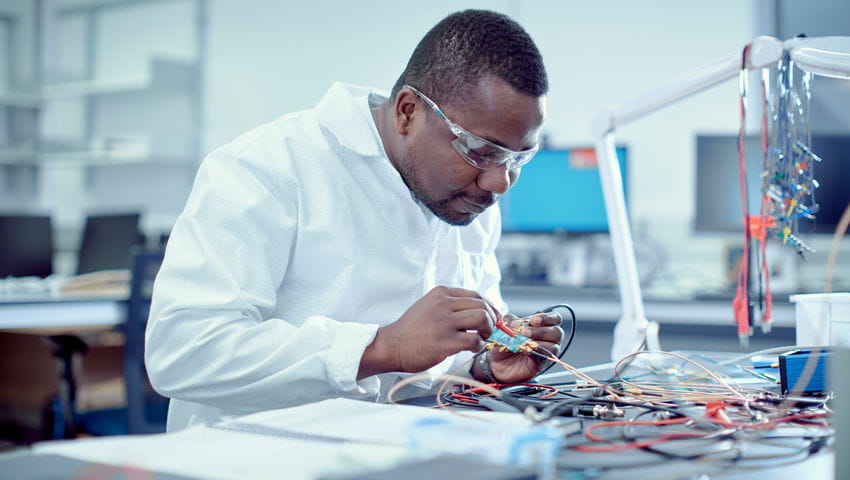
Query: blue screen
x=559, y=190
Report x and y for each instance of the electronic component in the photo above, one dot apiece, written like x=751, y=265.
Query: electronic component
x=792, y=365
x=505, y=341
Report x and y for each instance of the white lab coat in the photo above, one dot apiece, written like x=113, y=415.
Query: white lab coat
x=300, y=239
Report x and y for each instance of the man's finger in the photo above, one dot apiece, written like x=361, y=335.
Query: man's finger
x=545, y=319
x=542, y=334
x=549, y=348
x=458, y=304
x=461, y=292
x=479, y=320
x=467, y=341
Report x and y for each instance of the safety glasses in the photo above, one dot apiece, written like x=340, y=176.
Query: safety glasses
x=477, y=151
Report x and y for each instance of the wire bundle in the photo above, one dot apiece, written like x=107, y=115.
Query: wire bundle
x=696, y=415
x=685, y=412
x=788, y=180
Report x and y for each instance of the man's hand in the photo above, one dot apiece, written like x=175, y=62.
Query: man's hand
x=543, y=328
x=443, y=322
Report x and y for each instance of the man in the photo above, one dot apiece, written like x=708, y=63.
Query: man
x=335, y=250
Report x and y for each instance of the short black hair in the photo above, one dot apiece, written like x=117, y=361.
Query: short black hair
x=458, y=52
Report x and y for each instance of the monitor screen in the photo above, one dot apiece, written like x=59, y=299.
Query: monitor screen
x=718, y=191
x=559, y=190
x=107, y=240
x=26, y=246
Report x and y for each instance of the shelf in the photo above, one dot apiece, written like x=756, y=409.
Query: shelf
x=81, y=139
x=96, y=158
x=164, y=74
x=20, y=100
x=17, y=156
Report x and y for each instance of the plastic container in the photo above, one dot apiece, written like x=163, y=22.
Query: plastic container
x=823, y=318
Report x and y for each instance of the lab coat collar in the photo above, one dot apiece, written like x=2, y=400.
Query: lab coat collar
x=345, y=111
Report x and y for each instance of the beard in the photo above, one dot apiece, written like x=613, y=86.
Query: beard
x=440, y=207
x=442, y=210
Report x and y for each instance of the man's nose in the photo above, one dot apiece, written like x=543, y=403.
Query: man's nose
x=496, y=180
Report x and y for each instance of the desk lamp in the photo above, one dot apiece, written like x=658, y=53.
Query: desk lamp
x=829, y=56
x=826, y=56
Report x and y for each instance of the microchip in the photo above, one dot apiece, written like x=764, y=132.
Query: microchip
x=515, y=344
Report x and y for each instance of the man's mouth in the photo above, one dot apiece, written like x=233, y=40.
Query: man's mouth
x=476, y=207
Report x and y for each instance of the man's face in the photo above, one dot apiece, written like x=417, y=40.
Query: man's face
x=453, y=189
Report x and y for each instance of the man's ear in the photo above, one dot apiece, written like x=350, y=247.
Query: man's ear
x=403, y=108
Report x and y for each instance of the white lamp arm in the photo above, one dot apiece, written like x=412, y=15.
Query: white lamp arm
x=633, y=327
x=764, y=51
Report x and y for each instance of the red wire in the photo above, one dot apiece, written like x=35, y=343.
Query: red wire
x=741, y=302
x=637, y=444
x=595, y=438
x=505, y=385
x=463, y=398
x=789, y=418
x=674, y=435
x=712, y=416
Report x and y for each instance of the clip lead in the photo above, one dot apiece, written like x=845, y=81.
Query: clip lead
x=501, y=325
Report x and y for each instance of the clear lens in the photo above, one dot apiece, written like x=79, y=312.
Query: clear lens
x=475, y=143
x=477, y=151
x=486, y=157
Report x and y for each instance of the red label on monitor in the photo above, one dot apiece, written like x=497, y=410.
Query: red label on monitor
x=583, y=158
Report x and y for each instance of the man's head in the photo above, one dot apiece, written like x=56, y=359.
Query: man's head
x=465, y=113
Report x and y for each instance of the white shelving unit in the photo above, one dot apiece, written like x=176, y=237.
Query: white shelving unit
x=20, y=103
x=143, y=119
x=112, y=120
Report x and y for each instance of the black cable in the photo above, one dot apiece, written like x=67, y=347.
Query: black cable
x=812, y=444
x=447, y=398
x=670, y=455
x=566, y=346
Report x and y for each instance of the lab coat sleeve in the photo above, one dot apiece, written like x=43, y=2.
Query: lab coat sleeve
x=212, y=337
x=489, y=287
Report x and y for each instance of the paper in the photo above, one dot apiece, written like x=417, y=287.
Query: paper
x=332, y=437
x=209, y=453
x=354, y=420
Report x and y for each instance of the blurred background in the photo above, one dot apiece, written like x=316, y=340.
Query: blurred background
x=108, y=107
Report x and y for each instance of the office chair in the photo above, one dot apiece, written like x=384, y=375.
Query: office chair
x=146, y=410
x=107, y=240
x=26, y=246
x=106, y=244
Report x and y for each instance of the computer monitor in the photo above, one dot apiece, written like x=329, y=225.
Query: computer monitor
x=718, y=191
x=26, y=246
x=107, y=240
x=559, y=191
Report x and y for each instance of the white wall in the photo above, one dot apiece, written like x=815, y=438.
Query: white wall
x=265, y=58
x=268, y=57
